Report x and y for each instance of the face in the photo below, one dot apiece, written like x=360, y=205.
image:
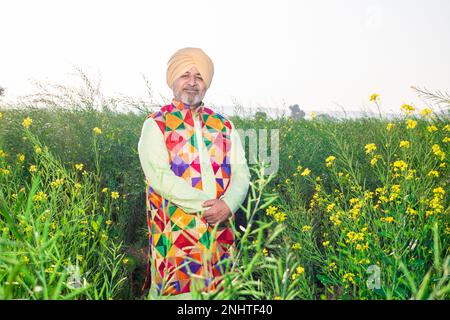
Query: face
x=190, y=87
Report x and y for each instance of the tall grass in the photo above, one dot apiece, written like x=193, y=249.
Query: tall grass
x=358, y=209
x=57, y=240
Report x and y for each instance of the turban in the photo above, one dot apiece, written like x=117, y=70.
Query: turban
x=186, y=58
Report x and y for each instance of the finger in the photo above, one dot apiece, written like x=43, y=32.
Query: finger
x=208, y=203
x=210, y=221
x=209, y=215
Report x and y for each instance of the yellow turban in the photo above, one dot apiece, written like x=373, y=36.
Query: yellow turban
x=186, y=58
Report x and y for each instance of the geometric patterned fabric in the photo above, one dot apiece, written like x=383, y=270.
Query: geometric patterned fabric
x=182, y=247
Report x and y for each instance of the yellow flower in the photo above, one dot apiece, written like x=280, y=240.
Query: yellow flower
x=374, y=160
x=277, y=298
x=287, y=181
x=97, y=130
x=265, y=252
x=364, y=261
x=426, y=112
x=271, y=210
x=404, y=144
x=37, y=149
x=108, y=222
x=299, y=167
x=305, y=172
x=125, y=261
x=79, y=166
x=77, y=186
x=335, y=218
x=114, y=195
x=411, y=124
x=326, y=243
x=432, y=128
x=380, y=190
x=296, y=246
x=433, y=173
x=407, y=108
x=57, y=183
x=32, y=168
x=332, y=266
x=400, y=164
x=25, y=259
x=21, y=157
x=104, y=190
x=370, y=147
x=446, y=127
x=446, y=140
x=40, y=197
x=390, y=126
x=300, y=270
x=306, y=228
x=312, y=115
x=411, y=211
x=387, y=219
x=439, y=190
x=49, y=270
x=438, y=152
x=27, y=122
x=280, y=216
x=104, y=237
x=354, y=237
x=2, y=154
x=79, y=257
x=348, y=278
x=395, y=188
x=329, y=161
x=374, y=97
x=1, y=115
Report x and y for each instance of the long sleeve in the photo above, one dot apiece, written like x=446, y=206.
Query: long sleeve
x=154, y=159
x=240, y=175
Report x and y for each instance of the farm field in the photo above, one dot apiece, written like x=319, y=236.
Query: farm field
x=358, y=208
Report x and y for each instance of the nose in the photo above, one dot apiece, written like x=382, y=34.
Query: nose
x=192, y=80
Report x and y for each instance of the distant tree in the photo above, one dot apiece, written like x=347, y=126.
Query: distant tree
x=2, y=91
x=260, y=115
x=296, y=112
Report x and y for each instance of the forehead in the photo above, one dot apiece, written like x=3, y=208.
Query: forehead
x=192, y=70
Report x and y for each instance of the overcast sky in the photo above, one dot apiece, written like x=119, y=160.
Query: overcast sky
x=270, y=53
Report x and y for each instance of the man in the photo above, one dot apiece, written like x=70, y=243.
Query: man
x=197, y=177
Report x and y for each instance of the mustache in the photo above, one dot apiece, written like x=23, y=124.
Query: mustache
x=192, y=88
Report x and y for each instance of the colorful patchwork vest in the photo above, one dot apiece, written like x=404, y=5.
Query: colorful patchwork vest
x=182, y=247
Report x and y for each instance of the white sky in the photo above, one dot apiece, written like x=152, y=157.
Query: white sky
x=267, y=53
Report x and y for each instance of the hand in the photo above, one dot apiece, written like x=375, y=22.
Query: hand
x=218, y=211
